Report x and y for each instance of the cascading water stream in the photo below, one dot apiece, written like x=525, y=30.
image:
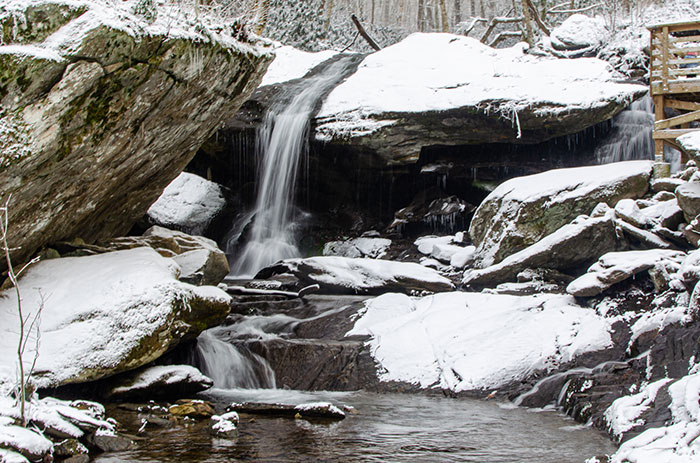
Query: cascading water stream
x=281, y=141
x=631, y=138
x=230, y=368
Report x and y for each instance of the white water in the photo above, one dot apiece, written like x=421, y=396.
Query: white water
x=282, y=139
x=631, y=137
x=228, y=367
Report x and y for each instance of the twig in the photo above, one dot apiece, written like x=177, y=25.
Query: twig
x=577, y=10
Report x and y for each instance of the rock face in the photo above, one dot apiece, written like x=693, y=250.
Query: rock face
x=98, y=119
x=104, y=314
x=688, y=196
x=522, y=211
x=344, y=275
x=434, y=89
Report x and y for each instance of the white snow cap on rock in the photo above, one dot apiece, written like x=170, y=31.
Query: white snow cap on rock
x=434, y=72
x=579, y=31
x=466, y=341
x=95, y=311
x=189, y=203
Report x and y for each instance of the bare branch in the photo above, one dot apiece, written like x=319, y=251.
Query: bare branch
x=572, y=11
x=504, y=35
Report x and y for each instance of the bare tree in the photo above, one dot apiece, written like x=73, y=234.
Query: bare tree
x=25, y=325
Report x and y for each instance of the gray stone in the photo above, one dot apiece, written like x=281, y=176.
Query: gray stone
x=112, y=442
x=523, y=210
x=665, y=184
x=574, y=245
x=105, y=127
x=688, y=196
x=159, y=382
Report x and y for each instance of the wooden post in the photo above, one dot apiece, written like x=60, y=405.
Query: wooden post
x=664, y=59
x=659, y=116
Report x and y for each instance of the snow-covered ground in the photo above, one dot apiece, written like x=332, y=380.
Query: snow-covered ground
x=433, y=72
x=463, y=341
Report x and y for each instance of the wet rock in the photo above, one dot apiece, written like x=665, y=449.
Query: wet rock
x=192, y=409
x=428, y=212
x=615, y=267
x=306, y=410
x=169, y=381
x=69, y=448
x=341, y=275
x=84, y=114
x=688, y=196
x=111, y=442
x=524, y=210
x=570, y=247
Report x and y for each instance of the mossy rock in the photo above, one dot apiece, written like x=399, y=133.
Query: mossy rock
x=37, y=23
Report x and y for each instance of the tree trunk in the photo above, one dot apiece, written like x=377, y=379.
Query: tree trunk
x=329, y=13
x=421, y=15
x=444, y=19
x=261, y=10
x=527, y=22
x=457, y=12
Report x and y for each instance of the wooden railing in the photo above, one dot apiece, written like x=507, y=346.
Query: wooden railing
x=674, y=80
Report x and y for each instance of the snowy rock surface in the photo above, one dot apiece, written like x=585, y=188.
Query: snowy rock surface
x=573, y=245
x=439, y=88
x=343, y=275
x=469, y=341
x=104, y=314
x=169, y=381
x=523, y=210
x=373, y=248
x=188, y=204
x=116, y=124
x=579, y=31
x=292, y=63
x=615, y=267
x=690, y=142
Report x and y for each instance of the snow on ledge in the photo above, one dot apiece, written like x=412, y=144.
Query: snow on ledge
x=291, y=63
x=437, y=71
x=468, y=341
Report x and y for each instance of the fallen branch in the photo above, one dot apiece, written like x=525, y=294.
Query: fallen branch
x=473, y=24
x=364, y=33
x=495, y=22
x=572, y=11
x=504, y=35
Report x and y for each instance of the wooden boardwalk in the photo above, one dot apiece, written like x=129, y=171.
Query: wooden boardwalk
x=674, y=81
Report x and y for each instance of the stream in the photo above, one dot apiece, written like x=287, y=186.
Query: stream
x=384, y=428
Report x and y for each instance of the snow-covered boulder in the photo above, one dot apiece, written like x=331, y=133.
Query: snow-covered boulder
x=438, y=89
x=690, y=143
x=225, y=425
x=373, y=248
x=104, y=314
x=475, y=341
x=688, y=196
x=93, y=130
x=523, y=210
x=579, y=31
x=167, y=381
x=573, y=245
x=344, y=275
x=615, y=267
x=188, y=204
x=200, y=259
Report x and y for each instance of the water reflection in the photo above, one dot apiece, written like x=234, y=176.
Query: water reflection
x=386, y=428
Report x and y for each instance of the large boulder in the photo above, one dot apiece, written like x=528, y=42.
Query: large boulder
x=523, y=210
x=162, y=382
x=569, y=248
x=579, y=31
x=103, y=314
x=344, y=275
x=688, y=196
x=101, y=110
x=437, y=89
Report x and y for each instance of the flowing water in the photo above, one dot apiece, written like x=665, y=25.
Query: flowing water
x=631, y=136
x=281, y=141
x=385, y=428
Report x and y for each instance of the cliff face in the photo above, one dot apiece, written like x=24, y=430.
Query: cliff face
x=101, y=110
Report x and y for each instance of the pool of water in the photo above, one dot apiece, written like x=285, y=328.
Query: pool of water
x=384, y=428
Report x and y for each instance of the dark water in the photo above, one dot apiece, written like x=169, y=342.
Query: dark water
x=385, y=428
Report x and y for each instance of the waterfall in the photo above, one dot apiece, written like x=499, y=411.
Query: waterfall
x=631, y=135
x=229, y=367
x=281, y=141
